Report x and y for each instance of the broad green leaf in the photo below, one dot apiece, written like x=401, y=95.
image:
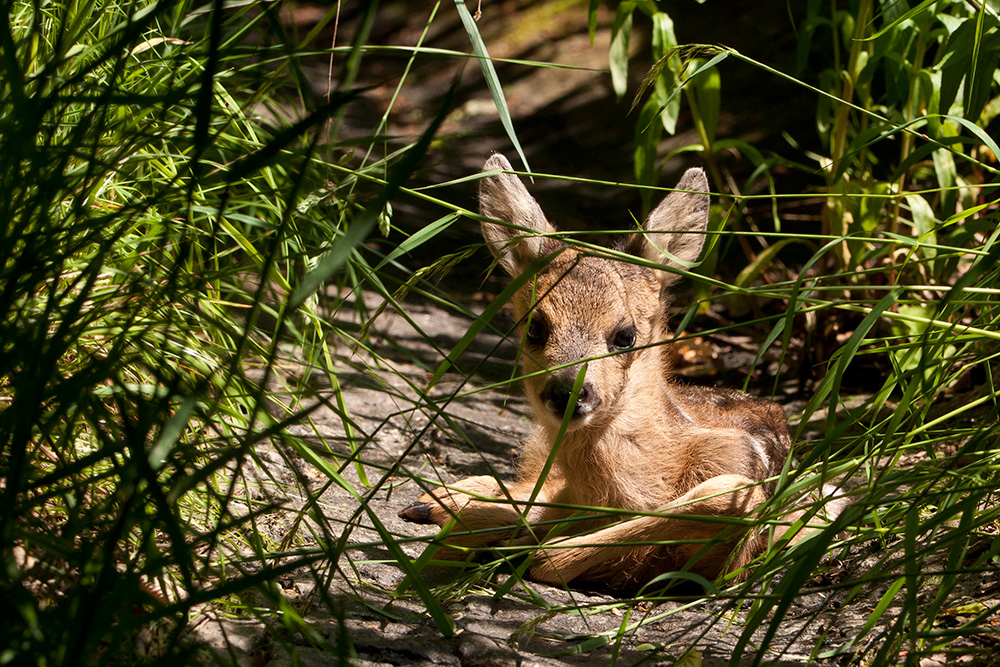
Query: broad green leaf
x=924, y=222
x=946, y=172
x=715, y=60
x=664, y=39
x=664, y=43
x=592, y=18
x=707, y=88
x=621, y=30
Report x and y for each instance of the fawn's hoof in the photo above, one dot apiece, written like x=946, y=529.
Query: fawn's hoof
x=418, y=512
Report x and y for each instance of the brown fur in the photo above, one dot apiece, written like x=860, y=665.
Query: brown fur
x=636, y=440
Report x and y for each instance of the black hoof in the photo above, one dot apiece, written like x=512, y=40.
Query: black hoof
x=418, y=512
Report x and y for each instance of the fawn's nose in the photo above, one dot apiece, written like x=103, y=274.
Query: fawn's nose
x=556, y=395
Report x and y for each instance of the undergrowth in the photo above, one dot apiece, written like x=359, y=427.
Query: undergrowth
x=193, y=296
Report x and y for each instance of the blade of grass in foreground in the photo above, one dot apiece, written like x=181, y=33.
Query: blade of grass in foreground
x=492, y=80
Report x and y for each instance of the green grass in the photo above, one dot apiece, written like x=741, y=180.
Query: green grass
x=185, y=231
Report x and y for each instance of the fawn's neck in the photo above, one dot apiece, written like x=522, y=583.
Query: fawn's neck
x=616, y=462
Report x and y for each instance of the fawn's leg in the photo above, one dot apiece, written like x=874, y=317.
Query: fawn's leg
x=831, y=501
x=481, y=523
x=600, y=558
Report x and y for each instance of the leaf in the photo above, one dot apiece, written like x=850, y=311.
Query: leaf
x=830, y=384
x=492, y=80
x=707, y=88
x=946, y=173
x=968, y=609
x=754, y=268
x=979, y=132
x=970, y=55
x=621, y=30
x=664, y=43
x=592, y=19
x=919, y=9
x=664, y=38
x=880, y=608
x=715, y=60
x=924, y=223
x=691, y=658
x=171, y=433
x=418, y=239
x=444, y=623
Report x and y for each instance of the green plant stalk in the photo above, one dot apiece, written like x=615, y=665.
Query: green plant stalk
x=834, y=213
x=913, y=109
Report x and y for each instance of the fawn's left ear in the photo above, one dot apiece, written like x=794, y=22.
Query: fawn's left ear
x=676, y=228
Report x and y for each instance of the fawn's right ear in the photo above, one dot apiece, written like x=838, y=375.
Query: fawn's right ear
x=503, y=197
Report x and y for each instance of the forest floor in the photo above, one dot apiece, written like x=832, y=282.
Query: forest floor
x=543, y=626
x=569, y=123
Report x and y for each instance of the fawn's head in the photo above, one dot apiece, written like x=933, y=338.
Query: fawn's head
x=586, y=307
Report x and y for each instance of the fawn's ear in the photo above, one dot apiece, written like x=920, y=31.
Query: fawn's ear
x=503, y=197
x=676, y=228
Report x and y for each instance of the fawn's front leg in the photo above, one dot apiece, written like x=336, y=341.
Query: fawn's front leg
x=481, y=523
x=602, y=557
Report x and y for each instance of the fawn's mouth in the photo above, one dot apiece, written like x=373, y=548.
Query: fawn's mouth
x=580, y=415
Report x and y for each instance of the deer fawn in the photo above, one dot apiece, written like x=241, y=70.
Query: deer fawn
x=635, y=441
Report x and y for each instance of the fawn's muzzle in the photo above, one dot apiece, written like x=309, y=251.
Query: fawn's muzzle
x=556, y=395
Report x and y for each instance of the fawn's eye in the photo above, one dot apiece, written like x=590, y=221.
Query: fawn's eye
x=538, y=330
x=624, y=338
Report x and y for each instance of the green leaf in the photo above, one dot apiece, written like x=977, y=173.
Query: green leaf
x=715, y=60
x=418, y=239
x=924, y=222
x=707, y=88
x=981, y=134
x=171, y=433
x=444, y=623
x=946, y=172
x=880, y=608
x=830, y=384
x=691, y=658
x=753, y=269
x=664, y=39
x=919, y=9
x=621, y=30
x=592, y=19
x=492, y=80
x=664, y=44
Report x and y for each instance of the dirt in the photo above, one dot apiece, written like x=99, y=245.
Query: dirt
x=466, y=426
x=471, y=421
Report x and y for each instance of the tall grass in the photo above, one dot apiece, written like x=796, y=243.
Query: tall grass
x=167, y=226
x=176, y=202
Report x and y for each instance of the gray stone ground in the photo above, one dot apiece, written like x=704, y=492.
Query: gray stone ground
x=355, y=599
